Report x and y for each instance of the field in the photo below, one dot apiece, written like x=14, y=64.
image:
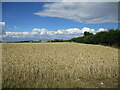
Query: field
x=59, y=65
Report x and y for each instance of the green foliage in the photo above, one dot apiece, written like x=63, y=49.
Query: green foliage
x=87, y=33
x=28, y=41
x=110, y=37
x=59, y=40
x=56, y=40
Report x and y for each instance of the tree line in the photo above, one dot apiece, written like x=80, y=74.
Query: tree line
x=110, y=38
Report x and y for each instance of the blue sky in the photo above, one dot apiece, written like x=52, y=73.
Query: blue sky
x=27, y=16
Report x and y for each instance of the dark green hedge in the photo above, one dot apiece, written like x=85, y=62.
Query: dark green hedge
x=110, y=37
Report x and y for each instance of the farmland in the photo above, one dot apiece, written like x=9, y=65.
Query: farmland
x=59, y=65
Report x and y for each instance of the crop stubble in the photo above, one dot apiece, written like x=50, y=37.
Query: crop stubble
x=59, y=65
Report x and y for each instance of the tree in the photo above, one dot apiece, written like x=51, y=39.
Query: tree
x=87, y=33
x=110, y=37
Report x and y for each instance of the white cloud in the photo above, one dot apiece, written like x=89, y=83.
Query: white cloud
x=40, y=31
x=87, y=12
x=61, y=31
x=37, y=34
x=101, y=29
x=87, y=30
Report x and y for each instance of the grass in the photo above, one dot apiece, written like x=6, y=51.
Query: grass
x=59, y=65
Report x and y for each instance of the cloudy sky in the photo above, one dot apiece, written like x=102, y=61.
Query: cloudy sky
x=56, y=20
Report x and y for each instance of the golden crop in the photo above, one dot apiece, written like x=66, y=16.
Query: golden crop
x=59, y=65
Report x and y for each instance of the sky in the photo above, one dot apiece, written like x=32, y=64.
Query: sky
x=56, y=20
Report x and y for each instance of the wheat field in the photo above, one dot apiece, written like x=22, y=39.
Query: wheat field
x=59, y=65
